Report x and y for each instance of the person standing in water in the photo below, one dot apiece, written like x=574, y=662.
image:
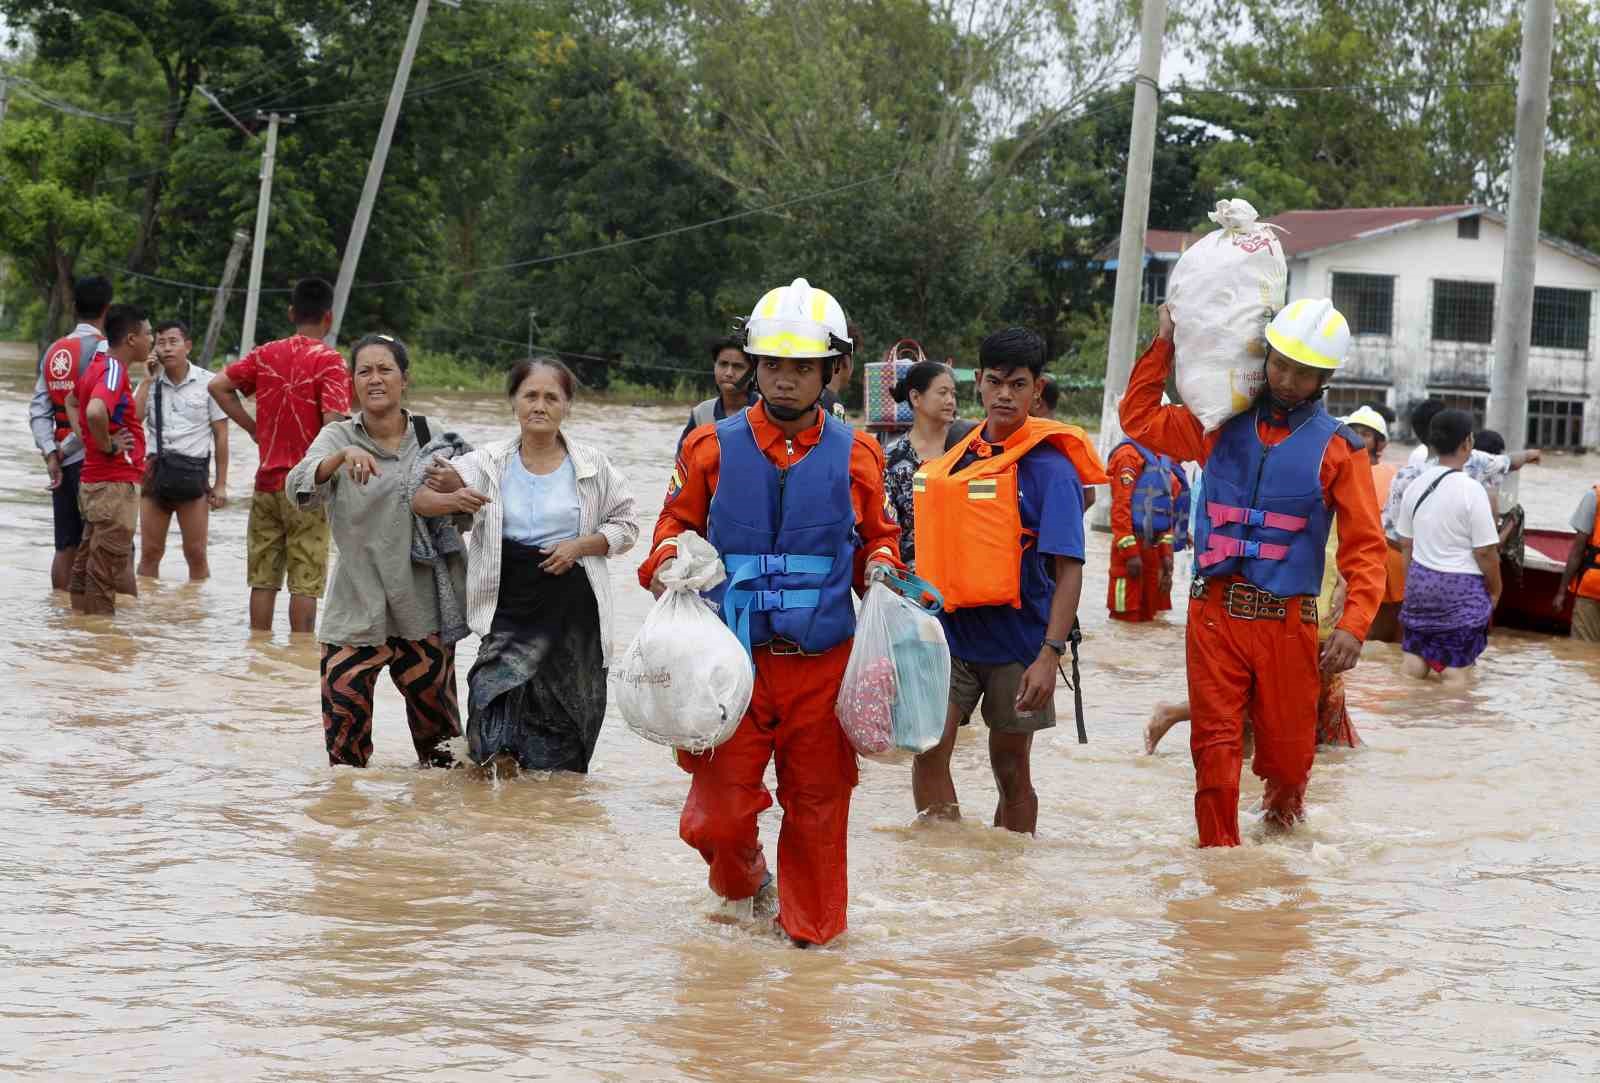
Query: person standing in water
x=549, y=511
x=1275, y=476
x=1582, y=573
x=1372, y=426
x=730, y=368
x=383, y=611
x=1149, y=518
x=793, y=501
x=930, y=388
x=999, y=526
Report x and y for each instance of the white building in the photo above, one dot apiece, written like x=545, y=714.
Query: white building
x=1419, y=287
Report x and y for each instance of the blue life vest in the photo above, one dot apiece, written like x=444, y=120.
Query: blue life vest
x=788, y=539
x=1264, y=517
x=1155, y=511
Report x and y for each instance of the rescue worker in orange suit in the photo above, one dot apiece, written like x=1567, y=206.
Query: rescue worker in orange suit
x=793, y=500
x=1373, y=428
x=1582, y=573
x=1149, y=516
x=1275, y=478
x=1001, y=515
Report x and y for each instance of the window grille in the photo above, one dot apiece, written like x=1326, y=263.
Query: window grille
x=1463, y=312
x=1555, y=423
x=1367, y=302
x=1467, y=228
x=1560, y=318
x=1476, y=405
x=1345, y=399
x=1155, y=284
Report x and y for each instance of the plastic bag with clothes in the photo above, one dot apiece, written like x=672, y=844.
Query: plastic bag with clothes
x=896, y=685
x=685, y=681
x=1222, y=293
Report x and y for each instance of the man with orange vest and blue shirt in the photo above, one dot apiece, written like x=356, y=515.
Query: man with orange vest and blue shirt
x=793, y=501
x=1149, y=522
x=1582, y=573
x=1275, y=477
x=999, y=524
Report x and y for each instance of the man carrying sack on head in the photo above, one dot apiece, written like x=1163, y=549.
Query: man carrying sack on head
x=1275, y=478
x=793, y=501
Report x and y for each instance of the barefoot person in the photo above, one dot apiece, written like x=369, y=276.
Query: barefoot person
x=383, y=611
x=1275, y=477
x=548, y=512
x=1452, y=549
x=185, y=425
x=1582, y=573
x=999, y=523
x=793, y=501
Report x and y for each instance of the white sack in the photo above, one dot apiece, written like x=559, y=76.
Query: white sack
x=1224, y=290
x=685, y=681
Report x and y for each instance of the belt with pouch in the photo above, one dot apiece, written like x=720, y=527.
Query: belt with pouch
x=1245, y=602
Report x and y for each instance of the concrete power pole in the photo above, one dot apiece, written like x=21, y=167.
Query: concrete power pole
x=1513, y=333
x=252, y=297
x=219, y=306
x=380, y=157
x=1135, y=212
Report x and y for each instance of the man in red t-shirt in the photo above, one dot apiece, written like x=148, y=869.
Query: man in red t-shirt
x=113, y=462
x=300, y=384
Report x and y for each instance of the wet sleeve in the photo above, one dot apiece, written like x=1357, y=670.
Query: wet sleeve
x=1061, y=509
x=688, y=499
x=875, y=517
x=1124, y=467
x=1362, y=549
x=1171, y=430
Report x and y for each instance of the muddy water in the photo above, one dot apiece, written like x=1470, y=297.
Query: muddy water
x=189, y=892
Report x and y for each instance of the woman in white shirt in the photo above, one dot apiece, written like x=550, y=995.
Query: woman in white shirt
x=545, y=505
x=1452, y=551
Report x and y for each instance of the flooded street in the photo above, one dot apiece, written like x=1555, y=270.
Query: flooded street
x=190, y=892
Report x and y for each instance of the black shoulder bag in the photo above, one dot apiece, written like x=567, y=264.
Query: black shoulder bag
x=178, y=478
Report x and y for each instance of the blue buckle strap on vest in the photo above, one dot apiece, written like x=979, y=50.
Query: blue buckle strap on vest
x=739, y=601
x=767, y=601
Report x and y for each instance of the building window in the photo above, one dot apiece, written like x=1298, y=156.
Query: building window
x=1467, y=228
x=1463, y=312
x=1155, y=284
x=1344, y=399
x=1555, y=423
x=1560, y=318
x=1476, y=405
x=1367, y=301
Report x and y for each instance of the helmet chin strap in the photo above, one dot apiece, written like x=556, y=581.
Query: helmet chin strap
x=789, y=413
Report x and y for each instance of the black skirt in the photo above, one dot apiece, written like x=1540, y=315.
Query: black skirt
x=538, y=688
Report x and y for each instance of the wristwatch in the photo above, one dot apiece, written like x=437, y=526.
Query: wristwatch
x=1057, y=645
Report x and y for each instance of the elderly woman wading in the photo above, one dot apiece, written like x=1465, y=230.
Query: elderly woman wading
x=383, y=609
x=548, y=510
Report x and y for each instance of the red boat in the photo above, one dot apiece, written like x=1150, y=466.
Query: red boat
x=1525, y=602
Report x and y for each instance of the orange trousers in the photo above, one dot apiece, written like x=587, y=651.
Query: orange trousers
x=1136, y=598
x=791, y=716
x=1268, y=668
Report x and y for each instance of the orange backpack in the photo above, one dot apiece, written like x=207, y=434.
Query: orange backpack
x=969, y=532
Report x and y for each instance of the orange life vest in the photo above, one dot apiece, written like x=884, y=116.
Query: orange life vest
x=1383, y=475
x=969, y=532
x=1589, y=581
x=1394, y=591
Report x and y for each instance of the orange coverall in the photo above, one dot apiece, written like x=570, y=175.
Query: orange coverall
x=1268, y=668
x=791, y=714
x=1134, y=598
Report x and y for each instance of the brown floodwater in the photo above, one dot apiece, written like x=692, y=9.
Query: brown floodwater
x=190, y=892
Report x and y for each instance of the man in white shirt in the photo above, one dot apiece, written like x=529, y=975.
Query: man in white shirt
x=183, y=423
x=1488, y=470
x=1452, y=549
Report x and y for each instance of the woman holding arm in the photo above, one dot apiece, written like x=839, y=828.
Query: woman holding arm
x=930, y=388
x=382, y=609
x=550, y=511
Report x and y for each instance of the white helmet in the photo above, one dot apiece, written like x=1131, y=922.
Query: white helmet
x=797, y=320
x=1312, y=332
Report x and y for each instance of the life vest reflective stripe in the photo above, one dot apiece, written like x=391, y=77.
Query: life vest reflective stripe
x=969, y=534
x=787, y=539
x=1589, y=581
x=1266, y=518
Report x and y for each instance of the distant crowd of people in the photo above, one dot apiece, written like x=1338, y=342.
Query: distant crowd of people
x=1304, y=544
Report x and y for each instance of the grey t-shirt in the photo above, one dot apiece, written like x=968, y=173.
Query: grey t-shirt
x=378, y=592
x=1583, y=518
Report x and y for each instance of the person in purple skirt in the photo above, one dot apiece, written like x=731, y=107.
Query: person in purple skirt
x=1452, y=552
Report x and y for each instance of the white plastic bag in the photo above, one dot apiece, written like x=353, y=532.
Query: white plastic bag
x=896, y=685
x=685, y=681
x=1222, y=293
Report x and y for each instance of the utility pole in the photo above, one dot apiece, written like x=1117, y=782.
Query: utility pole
x=219, y=306
x=252, y=297
x=1508, y=382
x=380, y=157
x=5, y=95
x=1135, y=212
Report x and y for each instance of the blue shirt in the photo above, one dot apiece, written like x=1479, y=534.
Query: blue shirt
x=1051, y=499
x=540, y=509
